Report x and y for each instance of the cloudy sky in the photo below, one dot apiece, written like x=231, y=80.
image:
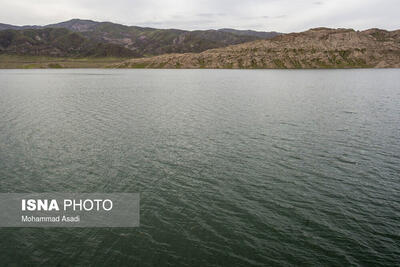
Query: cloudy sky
x=277, y=15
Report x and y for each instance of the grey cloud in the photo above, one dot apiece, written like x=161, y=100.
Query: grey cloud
x=210, y=15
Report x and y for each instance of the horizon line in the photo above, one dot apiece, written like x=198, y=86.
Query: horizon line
x=205, y=29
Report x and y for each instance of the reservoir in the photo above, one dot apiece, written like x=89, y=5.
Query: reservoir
x=234, y=167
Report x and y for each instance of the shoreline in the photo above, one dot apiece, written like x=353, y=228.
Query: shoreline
x=44, y=62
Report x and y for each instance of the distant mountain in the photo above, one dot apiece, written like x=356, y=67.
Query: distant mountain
x=57, y=42
x=315, y=48
x=77, y=25
x=149, y=41
x=8, y=27
x=13, y=27
x=258, y=34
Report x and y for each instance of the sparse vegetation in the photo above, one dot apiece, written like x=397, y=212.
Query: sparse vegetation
x=90, y=38
x=298, y=50
x=56, y=43
x=37, y=62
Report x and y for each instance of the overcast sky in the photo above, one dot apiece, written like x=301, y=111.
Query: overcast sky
x=268, y=15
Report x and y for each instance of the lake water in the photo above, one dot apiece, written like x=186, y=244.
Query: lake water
x=234, y=167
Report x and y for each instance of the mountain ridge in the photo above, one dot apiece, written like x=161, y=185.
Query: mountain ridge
x=57, y=42
x=145, y=41
x=224, y=48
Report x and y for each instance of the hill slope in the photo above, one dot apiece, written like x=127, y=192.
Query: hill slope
x=316, y=48
x=150, y=41
x=56, y=42
x=261, y=35
x=13, y=27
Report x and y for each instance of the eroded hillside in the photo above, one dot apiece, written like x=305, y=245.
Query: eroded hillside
x=316, y=48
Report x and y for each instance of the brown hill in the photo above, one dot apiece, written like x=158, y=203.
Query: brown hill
x=143, y=41
x=315, y=48
x=58, y=42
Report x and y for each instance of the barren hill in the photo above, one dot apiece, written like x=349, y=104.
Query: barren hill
x=143, y=41
x=58, y=42
x=315, y=48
